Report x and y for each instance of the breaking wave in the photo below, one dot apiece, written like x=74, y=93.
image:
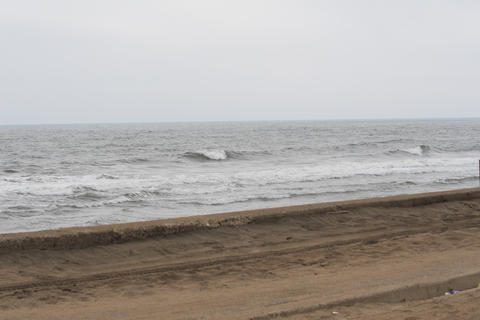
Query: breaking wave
x=220, y=154
x=417, y=151
x=205, y=155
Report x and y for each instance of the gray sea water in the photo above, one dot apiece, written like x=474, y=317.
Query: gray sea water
x=77, y=175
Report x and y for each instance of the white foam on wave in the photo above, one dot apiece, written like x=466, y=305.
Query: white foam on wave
x=418, y=151
x=198, y=182
x=208, y=154
x=214, y=154
x=220, y=186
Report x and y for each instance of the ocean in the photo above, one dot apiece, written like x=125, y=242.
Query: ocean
x=54, y=176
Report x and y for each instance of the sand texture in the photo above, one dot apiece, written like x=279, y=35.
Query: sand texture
x=386, y=258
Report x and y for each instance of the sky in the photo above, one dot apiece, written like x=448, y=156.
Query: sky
x=64, y=61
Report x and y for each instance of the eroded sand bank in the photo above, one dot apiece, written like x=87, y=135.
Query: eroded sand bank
x=387, y=258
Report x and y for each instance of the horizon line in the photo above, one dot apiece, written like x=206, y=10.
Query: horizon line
x=234, y=121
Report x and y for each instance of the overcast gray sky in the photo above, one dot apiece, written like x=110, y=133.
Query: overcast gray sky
x=132, y=61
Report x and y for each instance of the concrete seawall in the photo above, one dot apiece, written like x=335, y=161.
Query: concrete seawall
x=84, y=237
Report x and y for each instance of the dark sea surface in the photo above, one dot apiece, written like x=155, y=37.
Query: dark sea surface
x=77, y=175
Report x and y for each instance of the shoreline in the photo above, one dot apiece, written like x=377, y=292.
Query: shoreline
x=84, y=237
x=383, y=258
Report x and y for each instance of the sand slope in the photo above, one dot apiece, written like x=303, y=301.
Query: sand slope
x=383, y=258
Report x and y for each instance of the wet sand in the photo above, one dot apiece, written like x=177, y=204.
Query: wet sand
x=386, y=258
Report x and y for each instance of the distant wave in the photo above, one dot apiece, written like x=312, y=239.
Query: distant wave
x=456, y=148
x=10, y=171
x=392, y=141
x=107, y=176
x=416, y=151
x=134, y=160
x=86, y=193
x=220, y=154
x=143, y=194
x=377, y=142
x=205, y=155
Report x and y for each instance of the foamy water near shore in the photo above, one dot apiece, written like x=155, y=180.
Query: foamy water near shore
x=61, y=176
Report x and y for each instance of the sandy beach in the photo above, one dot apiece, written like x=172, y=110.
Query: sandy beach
x=384, y=258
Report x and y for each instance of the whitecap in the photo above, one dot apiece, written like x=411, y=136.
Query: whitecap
x=209, y=154
x=420, y=150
